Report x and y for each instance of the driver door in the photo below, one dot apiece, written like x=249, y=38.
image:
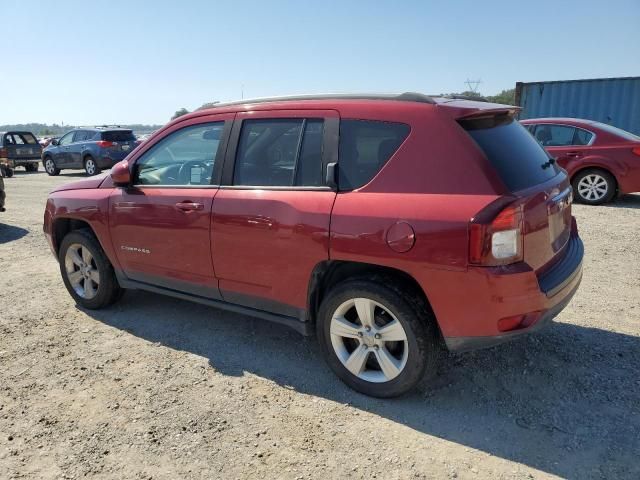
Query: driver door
x=160, y=225
x=61, y=155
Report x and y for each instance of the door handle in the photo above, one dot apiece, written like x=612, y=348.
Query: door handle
x=574, y=154
x=189, y=206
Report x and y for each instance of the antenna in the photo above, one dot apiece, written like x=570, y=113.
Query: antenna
x=473, y=84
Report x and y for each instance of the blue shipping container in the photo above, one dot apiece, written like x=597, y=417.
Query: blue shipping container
x=615, y=101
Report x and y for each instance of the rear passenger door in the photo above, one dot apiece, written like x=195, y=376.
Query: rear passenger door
x=563, y=142
x=271, y=215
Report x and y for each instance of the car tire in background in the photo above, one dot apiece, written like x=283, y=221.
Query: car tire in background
x=90, y=166
x=50, y=166
x=86, y=271
x=593, y=186
x=31, y=167
x=377, y=339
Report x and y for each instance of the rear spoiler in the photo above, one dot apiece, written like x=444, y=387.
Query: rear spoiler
x=466, y=109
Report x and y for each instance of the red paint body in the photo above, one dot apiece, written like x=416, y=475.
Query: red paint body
x=259, y=247
x=608, y=151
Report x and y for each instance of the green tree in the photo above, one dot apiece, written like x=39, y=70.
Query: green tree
x=179, y=113
x=506, y=97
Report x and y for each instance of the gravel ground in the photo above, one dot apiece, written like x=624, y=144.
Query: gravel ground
x=160, y=388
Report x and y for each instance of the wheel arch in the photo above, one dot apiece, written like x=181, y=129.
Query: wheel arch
x=64, y=225
x=329, y=273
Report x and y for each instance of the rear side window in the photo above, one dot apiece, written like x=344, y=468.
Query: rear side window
x=518, y=158
x=365, y=146
x=81, y=135
x=118, y=136
x=555, y=135
x=280, y=153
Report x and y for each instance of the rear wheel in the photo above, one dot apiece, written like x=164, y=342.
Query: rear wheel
x=50, y=166
x=31, y=167
x=375, y=339
x=90, y=166
x=86, y=271
x=594, y=186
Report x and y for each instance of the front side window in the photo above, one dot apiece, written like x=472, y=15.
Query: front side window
x=67, y=139
x=280, y=153
x=185, y=157
x=365, y=147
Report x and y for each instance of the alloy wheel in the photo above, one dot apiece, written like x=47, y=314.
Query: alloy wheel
x=369, y=340
x=90, y=166
x=82, y=271
x=49, y=165
x=593, y=187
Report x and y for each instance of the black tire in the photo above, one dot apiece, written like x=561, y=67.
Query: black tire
x=593, y=173
x=108, y=290
x=31, y=167
x=50, y=166
x=415, y=317
x=8, y=172
x=90, y=166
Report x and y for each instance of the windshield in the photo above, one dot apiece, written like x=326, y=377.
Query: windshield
x=519, y=159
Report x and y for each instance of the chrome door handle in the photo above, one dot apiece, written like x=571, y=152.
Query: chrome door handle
x=189, y=206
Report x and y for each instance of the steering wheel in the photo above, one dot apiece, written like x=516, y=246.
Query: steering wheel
x=184, y=173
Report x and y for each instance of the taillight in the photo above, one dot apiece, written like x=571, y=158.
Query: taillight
x=4, y=152
x=104, y=144
x=496, y=241
x=636, y=151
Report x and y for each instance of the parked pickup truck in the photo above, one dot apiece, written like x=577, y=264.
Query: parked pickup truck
x=19, y=149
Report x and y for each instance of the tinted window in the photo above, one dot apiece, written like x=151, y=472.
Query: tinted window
x=519, y=160
x=280, y=153
x=554, y=135
x=365, y=146
x=582, y=137
x=185, y=157
x=81, y=135
x=119, y=136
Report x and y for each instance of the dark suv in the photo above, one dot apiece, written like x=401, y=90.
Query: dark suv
x=93, y=149
x=19, y=149
x=391, y=226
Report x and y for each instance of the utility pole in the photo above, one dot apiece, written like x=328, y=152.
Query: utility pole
x=473, y=85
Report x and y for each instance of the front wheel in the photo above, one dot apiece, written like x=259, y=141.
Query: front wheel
x=50, y=167
x=90, y=166
x=86, y=271
x=378, y=341
x=594, y=186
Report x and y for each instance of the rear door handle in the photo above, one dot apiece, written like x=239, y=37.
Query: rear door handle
x=574, y=154
x=189, y=206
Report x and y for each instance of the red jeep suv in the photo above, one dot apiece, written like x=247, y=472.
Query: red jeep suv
x=389, y=225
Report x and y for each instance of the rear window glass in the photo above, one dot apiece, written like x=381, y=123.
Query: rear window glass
x=519, y=159
x=119, y=136
x=21, y=139
x=365, y=146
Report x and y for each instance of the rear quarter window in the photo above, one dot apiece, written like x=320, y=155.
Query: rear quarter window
x=518, y=158
x=365, y=146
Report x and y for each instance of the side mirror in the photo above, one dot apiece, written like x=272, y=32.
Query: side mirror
x=120, y=174
x=55, y=142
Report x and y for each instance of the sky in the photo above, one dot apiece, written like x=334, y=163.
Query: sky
x=127, y=61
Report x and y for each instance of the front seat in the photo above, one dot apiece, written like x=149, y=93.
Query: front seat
x=543, y=135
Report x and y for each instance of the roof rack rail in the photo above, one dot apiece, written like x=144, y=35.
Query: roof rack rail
x=406, y=97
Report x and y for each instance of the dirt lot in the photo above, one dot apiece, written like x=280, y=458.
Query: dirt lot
x=160, y=388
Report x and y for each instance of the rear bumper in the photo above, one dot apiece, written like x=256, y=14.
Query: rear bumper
x=18, y=162
x=555, y=289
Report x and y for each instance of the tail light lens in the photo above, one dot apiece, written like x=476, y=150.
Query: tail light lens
x=4, y=152
x=496, y=241
x=636, y=151
x=104, y=144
